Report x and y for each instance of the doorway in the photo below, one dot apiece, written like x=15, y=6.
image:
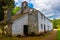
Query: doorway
x=44, y=29
x=25, y=30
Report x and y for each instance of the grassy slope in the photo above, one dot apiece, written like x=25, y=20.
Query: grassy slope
x=58, y=34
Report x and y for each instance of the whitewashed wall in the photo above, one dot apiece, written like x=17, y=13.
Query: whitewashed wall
x=48, y=24
x=51, y=26
x=17, y=26
x=40, y=21
x=45, y=22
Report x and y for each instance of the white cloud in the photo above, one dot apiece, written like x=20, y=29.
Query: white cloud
x=49, y=7
x=51, y=14
x=42, y=4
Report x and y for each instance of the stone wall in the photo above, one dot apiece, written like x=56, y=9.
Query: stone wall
x=33, y=22
x=5, y=29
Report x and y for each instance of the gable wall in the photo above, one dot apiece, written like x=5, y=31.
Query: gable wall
x=17, y=26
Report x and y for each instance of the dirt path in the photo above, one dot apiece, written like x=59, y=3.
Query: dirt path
x=51, y=36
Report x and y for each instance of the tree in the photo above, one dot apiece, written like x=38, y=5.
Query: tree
x=8, y=3
x=55, y=23
x=4, y=5
x=14, y=11
x=1, y=13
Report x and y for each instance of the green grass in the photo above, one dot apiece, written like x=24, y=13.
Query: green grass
x=58, y=34
x=24, y=38
x=9, y=38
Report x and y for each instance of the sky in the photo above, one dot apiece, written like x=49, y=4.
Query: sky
x=50, y=8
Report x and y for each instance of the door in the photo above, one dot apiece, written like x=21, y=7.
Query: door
x=44, y=29
x=25, y=29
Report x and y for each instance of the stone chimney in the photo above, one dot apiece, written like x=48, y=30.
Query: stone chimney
x=24, y=7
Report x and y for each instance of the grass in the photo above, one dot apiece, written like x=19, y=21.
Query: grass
x=8, y=38
x=58, y=34
x=24, y=38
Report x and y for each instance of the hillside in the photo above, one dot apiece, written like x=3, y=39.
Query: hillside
x=56, y=23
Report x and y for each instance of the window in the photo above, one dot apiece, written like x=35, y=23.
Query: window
x=41, y=16
x=44, y=17
x=44, y=25
x=41, y=26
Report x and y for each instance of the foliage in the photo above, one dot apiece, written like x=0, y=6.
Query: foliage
x=14, y=11
x=56, y=23
x=1, y=13
x=6, y=4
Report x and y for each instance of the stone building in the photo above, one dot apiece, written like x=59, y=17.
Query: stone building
x=26, y=21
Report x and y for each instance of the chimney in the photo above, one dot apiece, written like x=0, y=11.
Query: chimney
x=24, y=7
x=24, y=4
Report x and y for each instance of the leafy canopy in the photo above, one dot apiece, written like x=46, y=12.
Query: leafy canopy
x=15, y=10
x=56, y=23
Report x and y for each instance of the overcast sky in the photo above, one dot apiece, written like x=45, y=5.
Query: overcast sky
x=51, y=8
